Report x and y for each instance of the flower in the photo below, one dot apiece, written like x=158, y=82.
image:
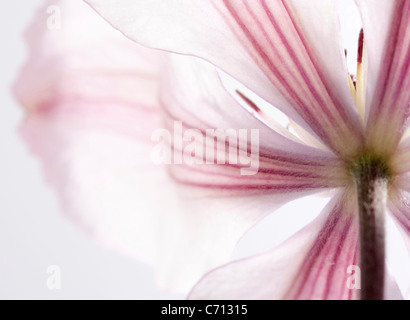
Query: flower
x=288, y=53
x=92, y=101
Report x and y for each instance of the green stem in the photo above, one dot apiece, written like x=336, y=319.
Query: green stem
x=372, y=178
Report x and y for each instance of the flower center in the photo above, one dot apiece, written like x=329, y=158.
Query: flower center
x=371, y=166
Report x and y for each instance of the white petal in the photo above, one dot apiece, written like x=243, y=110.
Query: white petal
x=287, y=52
x=313, y=264
x=387, y=37
x=92, y=97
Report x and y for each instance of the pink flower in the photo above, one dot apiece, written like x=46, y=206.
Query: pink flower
x=92, y=100
x=98, y=100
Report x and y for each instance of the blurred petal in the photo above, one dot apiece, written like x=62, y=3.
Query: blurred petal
x=312, y=264
x=275, y=48
x=85, y=58
x=387, y=37
x=91, y=116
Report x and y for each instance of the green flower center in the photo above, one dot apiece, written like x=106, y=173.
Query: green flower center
x=371, y=166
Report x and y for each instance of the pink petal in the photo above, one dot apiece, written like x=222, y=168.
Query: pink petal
x=387, y=37
x=400, y=160
x=196, y=97
x=316, y=263
x=312, y=264
x=92, y=98
x=288, y=52
x=59, y=65
x=399, y=206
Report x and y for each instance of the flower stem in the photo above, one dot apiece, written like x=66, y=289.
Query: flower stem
x=372, y=176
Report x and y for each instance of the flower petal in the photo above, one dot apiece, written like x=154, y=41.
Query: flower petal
x=400, y=161
x=387, y=37
x=275, y=48
x=59, y=65
x=91, y=116
x=195, y=96
x=313, y=264
x=399, y=206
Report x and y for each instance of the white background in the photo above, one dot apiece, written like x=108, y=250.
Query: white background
x=34, y=234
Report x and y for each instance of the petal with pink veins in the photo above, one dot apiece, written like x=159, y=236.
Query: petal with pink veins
x=399, y=208
x=312, y=264
x=195, y=96
x=319, y=262
x=288, y=52
x=400, y=160
x=90, y=118
x=387, y=37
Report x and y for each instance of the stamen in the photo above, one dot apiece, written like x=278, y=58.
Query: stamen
x=352, y=85
x=249, y=102
x=357, y=83
x=261, y=115
x=360, y=76
x=291, y=131
x=353, y=77
x=360, y=50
